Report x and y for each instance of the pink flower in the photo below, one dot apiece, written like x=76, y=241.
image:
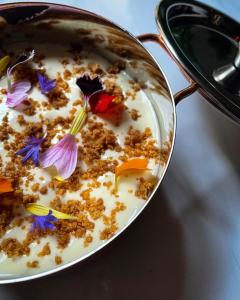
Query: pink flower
x=18, y=93
x=63, y=156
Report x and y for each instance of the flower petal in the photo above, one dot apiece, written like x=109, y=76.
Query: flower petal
x=24, y=150
x=41, y=78
x=4, y=61
x=50, y=226
x=79, y=121
x=18, y=93
x=15, y=99
x=68, y=162
x=63, y=156
x=41, y=210
x=21, y=86
x=50, y=85
x=29, y=154
x=31, y=149
x=100, y=102
x=5, y=186
x=130, y=166
x=44, y=222
x=104, y=104
x=31, y=140
x=35, y=156
x=50, y=156
x=45, y=85
x=88, y=85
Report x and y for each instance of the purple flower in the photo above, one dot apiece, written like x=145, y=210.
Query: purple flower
x=18, y=93
x=31, y=149
x=45, y=85
x=88, y=85
x=63, y=156
x=44, y=222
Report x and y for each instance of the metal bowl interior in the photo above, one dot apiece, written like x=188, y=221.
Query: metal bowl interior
x=40, y=22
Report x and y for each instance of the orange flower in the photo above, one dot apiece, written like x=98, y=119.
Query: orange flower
x=5, y=186
x=130, y=166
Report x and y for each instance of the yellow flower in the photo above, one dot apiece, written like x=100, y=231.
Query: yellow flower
x=41, y=210
x=4, y=61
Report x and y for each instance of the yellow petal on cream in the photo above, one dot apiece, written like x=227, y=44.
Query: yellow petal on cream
x=4, y=61
x=41, y=210
x=59, y=178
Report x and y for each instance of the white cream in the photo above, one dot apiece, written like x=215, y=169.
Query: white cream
x=17, y=267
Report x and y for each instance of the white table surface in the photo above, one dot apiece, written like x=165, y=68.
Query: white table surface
x=186, y=245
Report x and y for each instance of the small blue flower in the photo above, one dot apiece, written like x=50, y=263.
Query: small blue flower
x=44, y=222
x=45, y=85
x=31, y=149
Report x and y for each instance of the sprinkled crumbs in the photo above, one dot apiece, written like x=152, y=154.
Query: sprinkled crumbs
x=58, y=260
x=45, y=250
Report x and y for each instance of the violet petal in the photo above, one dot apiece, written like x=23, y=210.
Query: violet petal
x=46, y=85
x=18, y=93
x=88, y=85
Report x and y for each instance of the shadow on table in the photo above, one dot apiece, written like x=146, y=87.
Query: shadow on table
x=208, y=203
x=226, y=133
x=147, y=263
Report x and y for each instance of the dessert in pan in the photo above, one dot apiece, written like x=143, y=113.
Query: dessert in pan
x=81, y=145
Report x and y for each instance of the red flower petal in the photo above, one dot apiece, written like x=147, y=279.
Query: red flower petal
x=102, y=103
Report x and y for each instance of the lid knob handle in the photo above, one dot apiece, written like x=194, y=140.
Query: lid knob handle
x=229, y=75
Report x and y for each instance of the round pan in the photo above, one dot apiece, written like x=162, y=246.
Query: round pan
x=101, y=35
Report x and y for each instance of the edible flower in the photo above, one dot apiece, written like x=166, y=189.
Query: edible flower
x=130, y=166
x=42, y=210
x=44, y=222
x=100, y=102
x=89, y=85
x=31, y=150
x=4, y=61
x=63, y=156
x=46, y=85
x=17, y=91
x=105, y=104
x=5, y=186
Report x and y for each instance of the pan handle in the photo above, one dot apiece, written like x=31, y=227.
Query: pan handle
x=151, y=37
